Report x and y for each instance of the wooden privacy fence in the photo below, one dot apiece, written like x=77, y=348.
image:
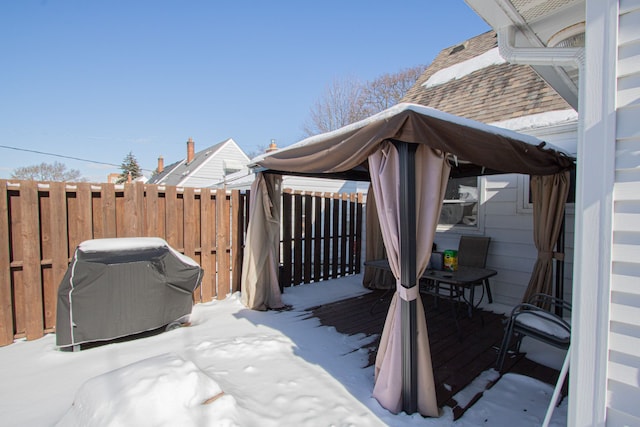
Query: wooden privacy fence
x=41, y=224
x=321, y=236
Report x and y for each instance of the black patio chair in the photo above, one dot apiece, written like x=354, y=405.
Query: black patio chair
x=537, y=319
x=472, y=252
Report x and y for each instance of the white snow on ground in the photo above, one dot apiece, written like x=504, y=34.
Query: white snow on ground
x=515, y=400
x=234, y=367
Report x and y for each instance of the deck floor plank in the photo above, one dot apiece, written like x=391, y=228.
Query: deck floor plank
x=458, y=356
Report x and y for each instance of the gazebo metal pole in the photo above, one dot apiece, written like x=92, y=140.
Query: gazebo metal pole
x=407, y=154
x=560, y=247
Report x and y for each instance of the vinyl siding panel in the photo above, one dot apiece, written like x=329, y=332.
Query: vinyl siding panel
x=623, y=385
x=512, y=252
x=212, y=170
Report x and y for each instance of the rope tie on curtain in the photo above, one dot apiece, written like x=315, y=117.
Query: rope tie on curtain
x=549, y=255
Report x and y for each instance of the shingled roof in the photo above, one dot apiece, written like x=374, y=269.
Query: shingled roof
x=497, y=92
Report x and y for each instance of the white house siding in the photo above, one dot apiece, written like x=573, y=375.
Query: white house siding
x=623, y=384
x=512, y=252
x=212, y=171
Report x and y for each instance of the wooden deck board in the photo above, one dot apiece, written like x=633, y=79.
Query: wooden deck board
x=457, y=358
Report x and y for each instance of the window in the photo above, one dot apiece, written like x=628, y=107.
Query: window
x=231, y=166
x=524, y=195
x=461, y=202
x=525, y=203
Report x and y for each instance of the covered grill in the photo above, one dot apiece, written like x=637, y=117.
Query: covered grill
x=123, y=286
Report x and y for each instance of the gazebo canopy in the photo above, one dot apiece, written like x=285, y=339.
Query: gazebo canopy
x=408, y=152
x=473, y=148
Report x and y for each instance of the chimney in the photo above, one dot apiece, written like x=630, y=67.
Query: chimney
x=272, y=146
x=160, y=164
x=191, y=151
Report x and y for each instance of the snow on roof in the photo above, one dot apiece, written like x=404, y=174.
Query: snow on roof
x=549, y=118
x=420, y=109
x=464, y=68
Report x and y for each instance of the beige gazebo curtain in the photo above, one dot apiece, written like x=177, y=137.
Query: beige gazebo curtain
x=260, y=289
x=375, y=278
x=432, y=172
x=549, y=195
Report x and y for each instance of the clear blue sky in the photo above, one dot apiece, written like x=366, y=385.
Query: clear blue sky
x=99, y=79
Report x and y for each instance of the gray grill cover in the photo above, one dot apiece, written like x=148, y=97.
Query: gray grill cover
x=118, y=287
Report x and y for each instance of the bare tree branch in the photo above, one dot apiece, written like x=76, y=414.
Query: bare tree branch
x=48, y=172
x=341, y=104
x=346, y=101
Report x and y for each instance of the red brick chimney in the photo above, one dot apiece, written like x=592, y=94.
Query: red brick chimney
x=160, y=164
x=191, y=150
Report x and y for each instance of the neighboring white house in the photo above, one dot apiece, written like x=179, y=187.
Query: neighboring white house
x=589, y=51
x=203, y=168
x=242, y=180
x=471, y=79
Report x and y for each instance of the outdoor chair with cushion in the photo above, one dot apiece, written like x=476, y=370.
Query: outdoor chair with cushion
x=537, y=319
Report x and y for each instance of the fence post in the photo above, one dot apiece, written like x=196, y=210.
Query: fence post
x=359, y=233
x=207, y=230
x=80, y=218
x=189, y=222
x=351, y=250
x=171, y=219
x=326, y=239
x=317, y=237
x=285, y=279
x=59, y=240
x=297, y=239
x=335, y=235
x=151, y=213
x=107, y=211
x=31, y=270
x=237, y=238
x=133, y=210
x=344, y=236
x=222, y=243
x=6, y=307
x=308, y=236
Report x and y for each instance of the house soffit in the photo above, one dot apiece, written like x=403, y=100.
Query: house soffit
x=541, y=23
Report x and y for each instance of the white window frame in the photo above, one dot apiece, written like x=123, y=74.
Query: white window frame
x=526, y=207
x=469, y=229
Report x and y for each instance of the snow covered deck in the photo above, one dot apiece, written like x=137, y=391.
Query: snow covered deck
x=458, y=358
